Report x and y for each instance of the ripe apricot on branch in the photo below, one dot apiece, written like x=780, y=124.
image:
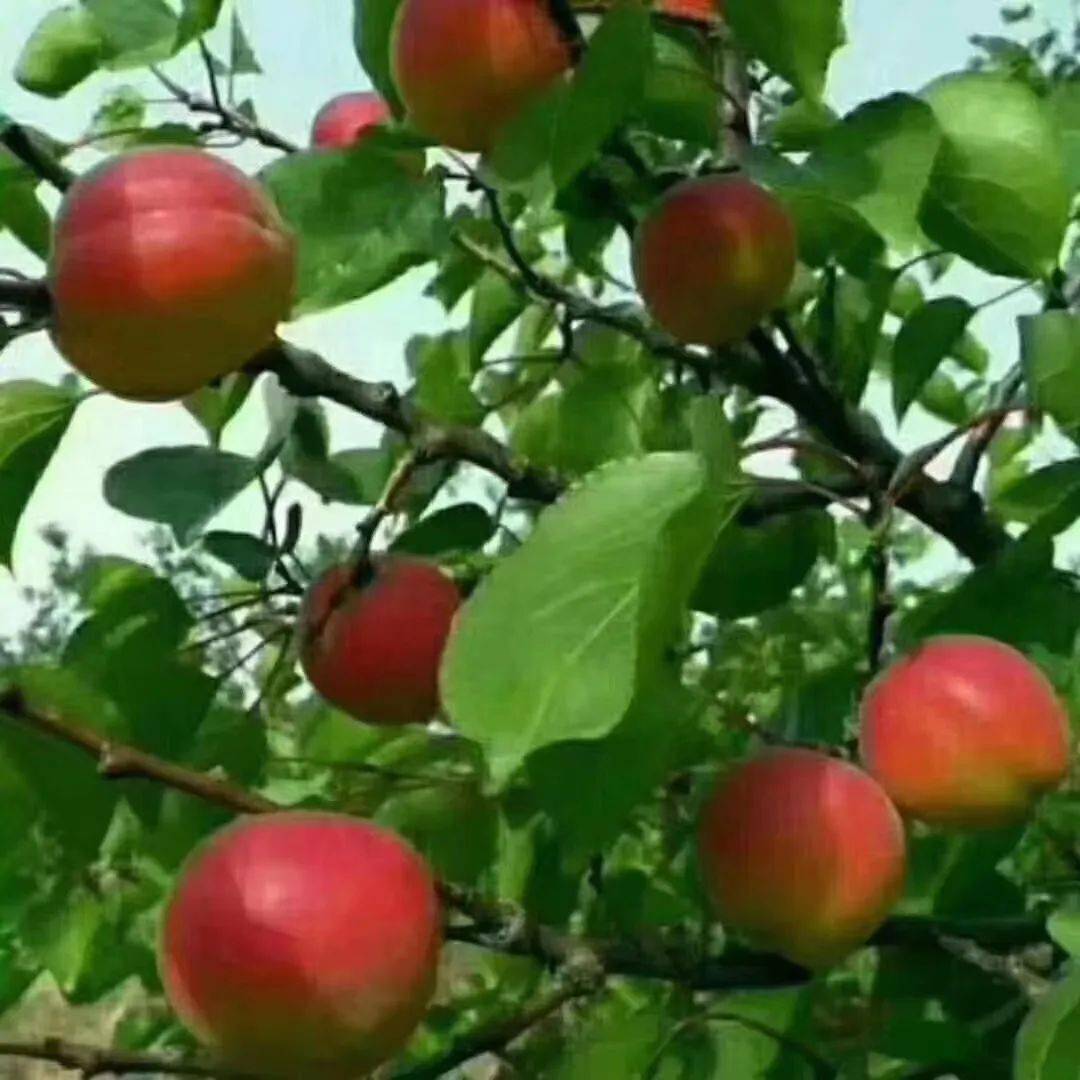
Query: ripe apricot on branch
x=373, y=648
x=465, y=69
x=169, y=269
x=348, y=119
x=965, y=732
x=713, y=258
x=302, y=944
x=803, y=853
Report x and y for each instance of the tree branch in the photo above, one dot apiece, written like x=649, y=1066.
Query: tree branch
x=229, y=119
x=41, y=163
x=91, y=1061
x=118, y=761
x=493, y=1037
x=305, y=374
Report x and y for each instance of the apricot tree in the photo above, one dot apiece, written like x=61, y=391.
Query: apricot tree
x=692, y=696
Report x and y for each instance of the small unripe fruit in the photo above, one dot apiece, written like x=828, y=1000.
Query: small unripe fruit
x=802, y=853
x=714, y=258
x=465, y=69
x=965, y=732
x=348, y=119
x=169, y=269
x=373, y=648
x=302, y=944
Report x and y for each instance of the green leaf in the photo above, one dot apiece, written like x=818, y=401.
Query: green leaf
x=180, y=486
x=619, y=1036
x=496, y=303
x=929, y=334
x=450, y=823
x=360, y=218
x=607, y=85
x=878, y=160
x=679, y=100
x=801, y=126
x=796, y=38
x=214, y=406
x=1036, y=494
x=196, y=18
x=33, y=419
x=599, y=584
x=464, y=527
x=444, y=368
x=590, y=788
x=60, y=933
x=941, y=397
x=1064, y=926
x=135, y=32
x=242, y=59
x=1065, y=107
x=248, y=555
x=755, y=568
x=62, y=50
x=373, y=24
x=80, y=804
x=1048, y=1044
x=997, y=195
x=128, y=649
x=829, y=229
x=848, y=320
x=1050, y=349
x=1019, y=598
x=22, y=213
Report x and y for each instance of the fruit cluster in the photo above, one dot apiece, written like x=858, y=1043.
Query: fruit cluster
x=307, y=944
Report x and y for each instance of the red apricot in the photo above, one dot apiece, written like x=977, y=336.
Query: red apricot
x=964, y=732
x=465, y=69
x=302, y=944
x=348, y=119
x=704, y=11
x=374, y=648
x=803, y=853
x=169, y=269
x=713, y=258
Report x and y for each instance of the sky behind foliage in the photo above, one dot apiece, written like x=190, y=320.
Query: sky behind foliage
x=893, y=47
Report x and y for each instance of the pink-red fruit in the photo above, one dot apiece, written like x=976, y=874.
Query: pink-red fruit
x=169, y=269
x=802, y=853
x=302, y=944
x=348, y=119
x=373, y=648
x=713, y=258
x=467, y=68
x=965, y=732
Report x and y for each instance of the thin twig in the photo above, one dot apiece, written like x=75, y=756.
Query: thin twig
x=229, y=119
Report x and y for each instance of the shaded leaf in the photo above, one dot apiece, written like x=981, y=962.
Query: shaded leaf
x=33, y=419
x=180, y=486
x=929, y=334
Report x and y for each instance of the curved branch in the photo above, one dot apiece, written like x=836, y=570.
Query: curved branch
x=91, y=1061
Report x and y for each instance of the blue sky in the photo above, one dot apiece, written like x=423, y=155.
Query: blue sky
x=306, y=52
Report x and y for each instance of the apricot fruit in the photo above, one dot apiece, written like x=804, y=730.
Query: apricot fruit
x=373, y=648
x=964, y=732
x=302, y=944
x=169, y=269
x=713, y=258
x=802, y=853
